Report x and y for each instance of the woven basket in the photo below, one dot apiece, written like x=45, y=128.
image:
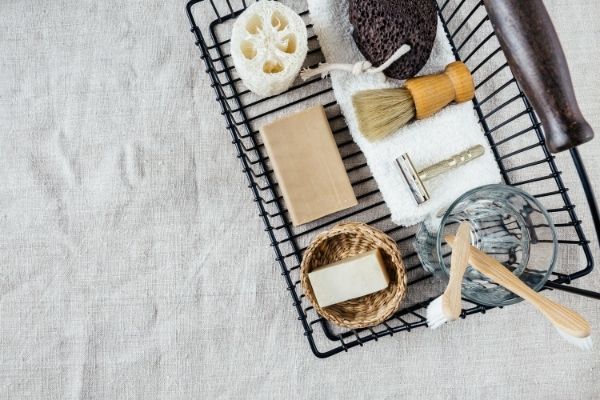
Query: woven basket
x=347, y=240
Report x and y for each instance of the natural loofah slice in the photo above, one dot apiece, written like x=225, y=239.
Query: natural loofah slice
x=382, y=26
x=268, y=46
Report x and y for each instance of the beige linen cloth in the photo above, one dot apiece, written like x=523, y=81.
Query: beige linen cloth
x=132, y=261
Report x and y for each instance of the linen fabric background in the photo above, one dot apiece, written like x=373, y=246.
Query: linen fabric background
x=133, y=264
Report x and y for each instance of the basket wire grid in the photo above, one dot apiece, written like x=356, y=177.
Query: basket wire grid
x=506, y=118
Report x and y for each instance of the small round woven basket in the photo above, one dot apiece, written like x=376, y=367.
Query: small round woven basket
x=348, y=240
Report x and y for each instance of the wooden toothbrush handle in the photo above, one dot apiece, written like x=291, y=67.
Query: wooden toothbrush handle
x=459, y=262
x=535, y=56
x=431, y=93
x=562, y=317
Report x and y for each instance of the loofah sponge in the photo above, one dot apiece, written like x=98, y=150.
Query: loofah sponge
x=382, y=26
x=268, y=46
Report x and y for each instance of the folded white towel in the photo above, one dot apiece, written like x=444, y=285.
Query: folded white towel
x=428, y=141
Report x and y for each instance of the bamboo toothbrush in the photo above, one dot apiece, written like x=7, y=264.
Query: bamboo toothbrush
x=448, y=306
x=381, y=112
x=569, y=324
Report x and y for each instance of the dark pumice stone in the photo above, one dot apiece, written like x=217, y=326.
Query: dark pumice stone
x=382, y=26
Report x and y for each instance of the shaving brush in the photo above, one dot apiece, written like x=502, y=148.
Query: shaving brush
x=381, y=112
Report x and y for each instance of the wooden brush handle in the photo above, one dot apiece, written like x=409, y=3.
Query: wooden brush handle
x=562, y=317
x=451, y=301
x=536, y=58
x=431, y=93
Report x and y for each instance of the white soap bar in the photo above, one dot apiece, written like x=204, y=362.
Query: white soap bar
x=350, y=278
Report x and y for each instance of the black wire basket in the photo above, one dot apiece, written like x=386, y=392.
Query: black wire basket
x=507, y=120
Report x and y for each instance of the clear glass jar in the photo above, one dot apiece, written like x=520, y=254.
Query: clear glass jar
x=506, y=223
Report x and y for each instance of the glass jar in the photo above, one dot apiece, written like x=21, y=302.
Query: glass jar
x=507, y=224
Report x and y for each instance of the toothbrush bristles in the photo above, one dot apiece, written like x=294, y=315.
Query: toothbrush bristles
x=584, y=343
x=435, y=314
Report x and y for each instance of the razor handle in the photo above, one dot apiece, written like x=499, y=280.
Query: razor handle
x=527, y=36
x=451, y=163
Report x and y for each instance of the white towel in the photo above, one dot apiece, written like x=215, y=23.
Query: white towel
x=428, y=141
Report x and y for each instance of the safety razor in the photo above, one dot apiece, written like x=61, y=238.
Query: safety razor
x=416, y=179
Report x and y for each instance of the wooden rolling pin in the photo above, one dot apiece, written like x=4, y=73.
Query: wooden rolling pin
x=536, y=58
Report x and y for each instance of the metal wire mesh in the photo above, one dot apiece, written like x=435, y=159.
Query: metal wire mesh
x=505, y=115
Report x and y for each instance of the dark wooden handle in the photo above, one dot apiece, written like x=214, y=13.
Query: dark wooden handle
x=536, y=58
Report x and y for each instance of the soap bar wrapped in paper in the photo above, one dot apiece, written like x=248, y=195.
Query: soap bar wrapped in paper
x=308, y=165
x=268, y=46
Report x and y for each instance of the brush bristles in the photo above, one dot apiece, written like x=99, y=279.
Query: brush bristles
x=383, y=111
x=584, y=343
x=435, y=314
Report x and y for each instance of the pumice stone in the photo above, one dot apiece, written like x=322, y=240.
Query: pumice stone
x=382, y=26
x=268, y=46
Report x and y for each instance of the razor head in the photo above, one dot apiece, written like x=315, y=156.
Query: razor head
x=412, y=178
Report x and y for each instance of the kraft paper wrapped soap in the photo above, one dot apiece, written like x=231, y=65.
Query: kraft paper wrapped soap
x=308, y=165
